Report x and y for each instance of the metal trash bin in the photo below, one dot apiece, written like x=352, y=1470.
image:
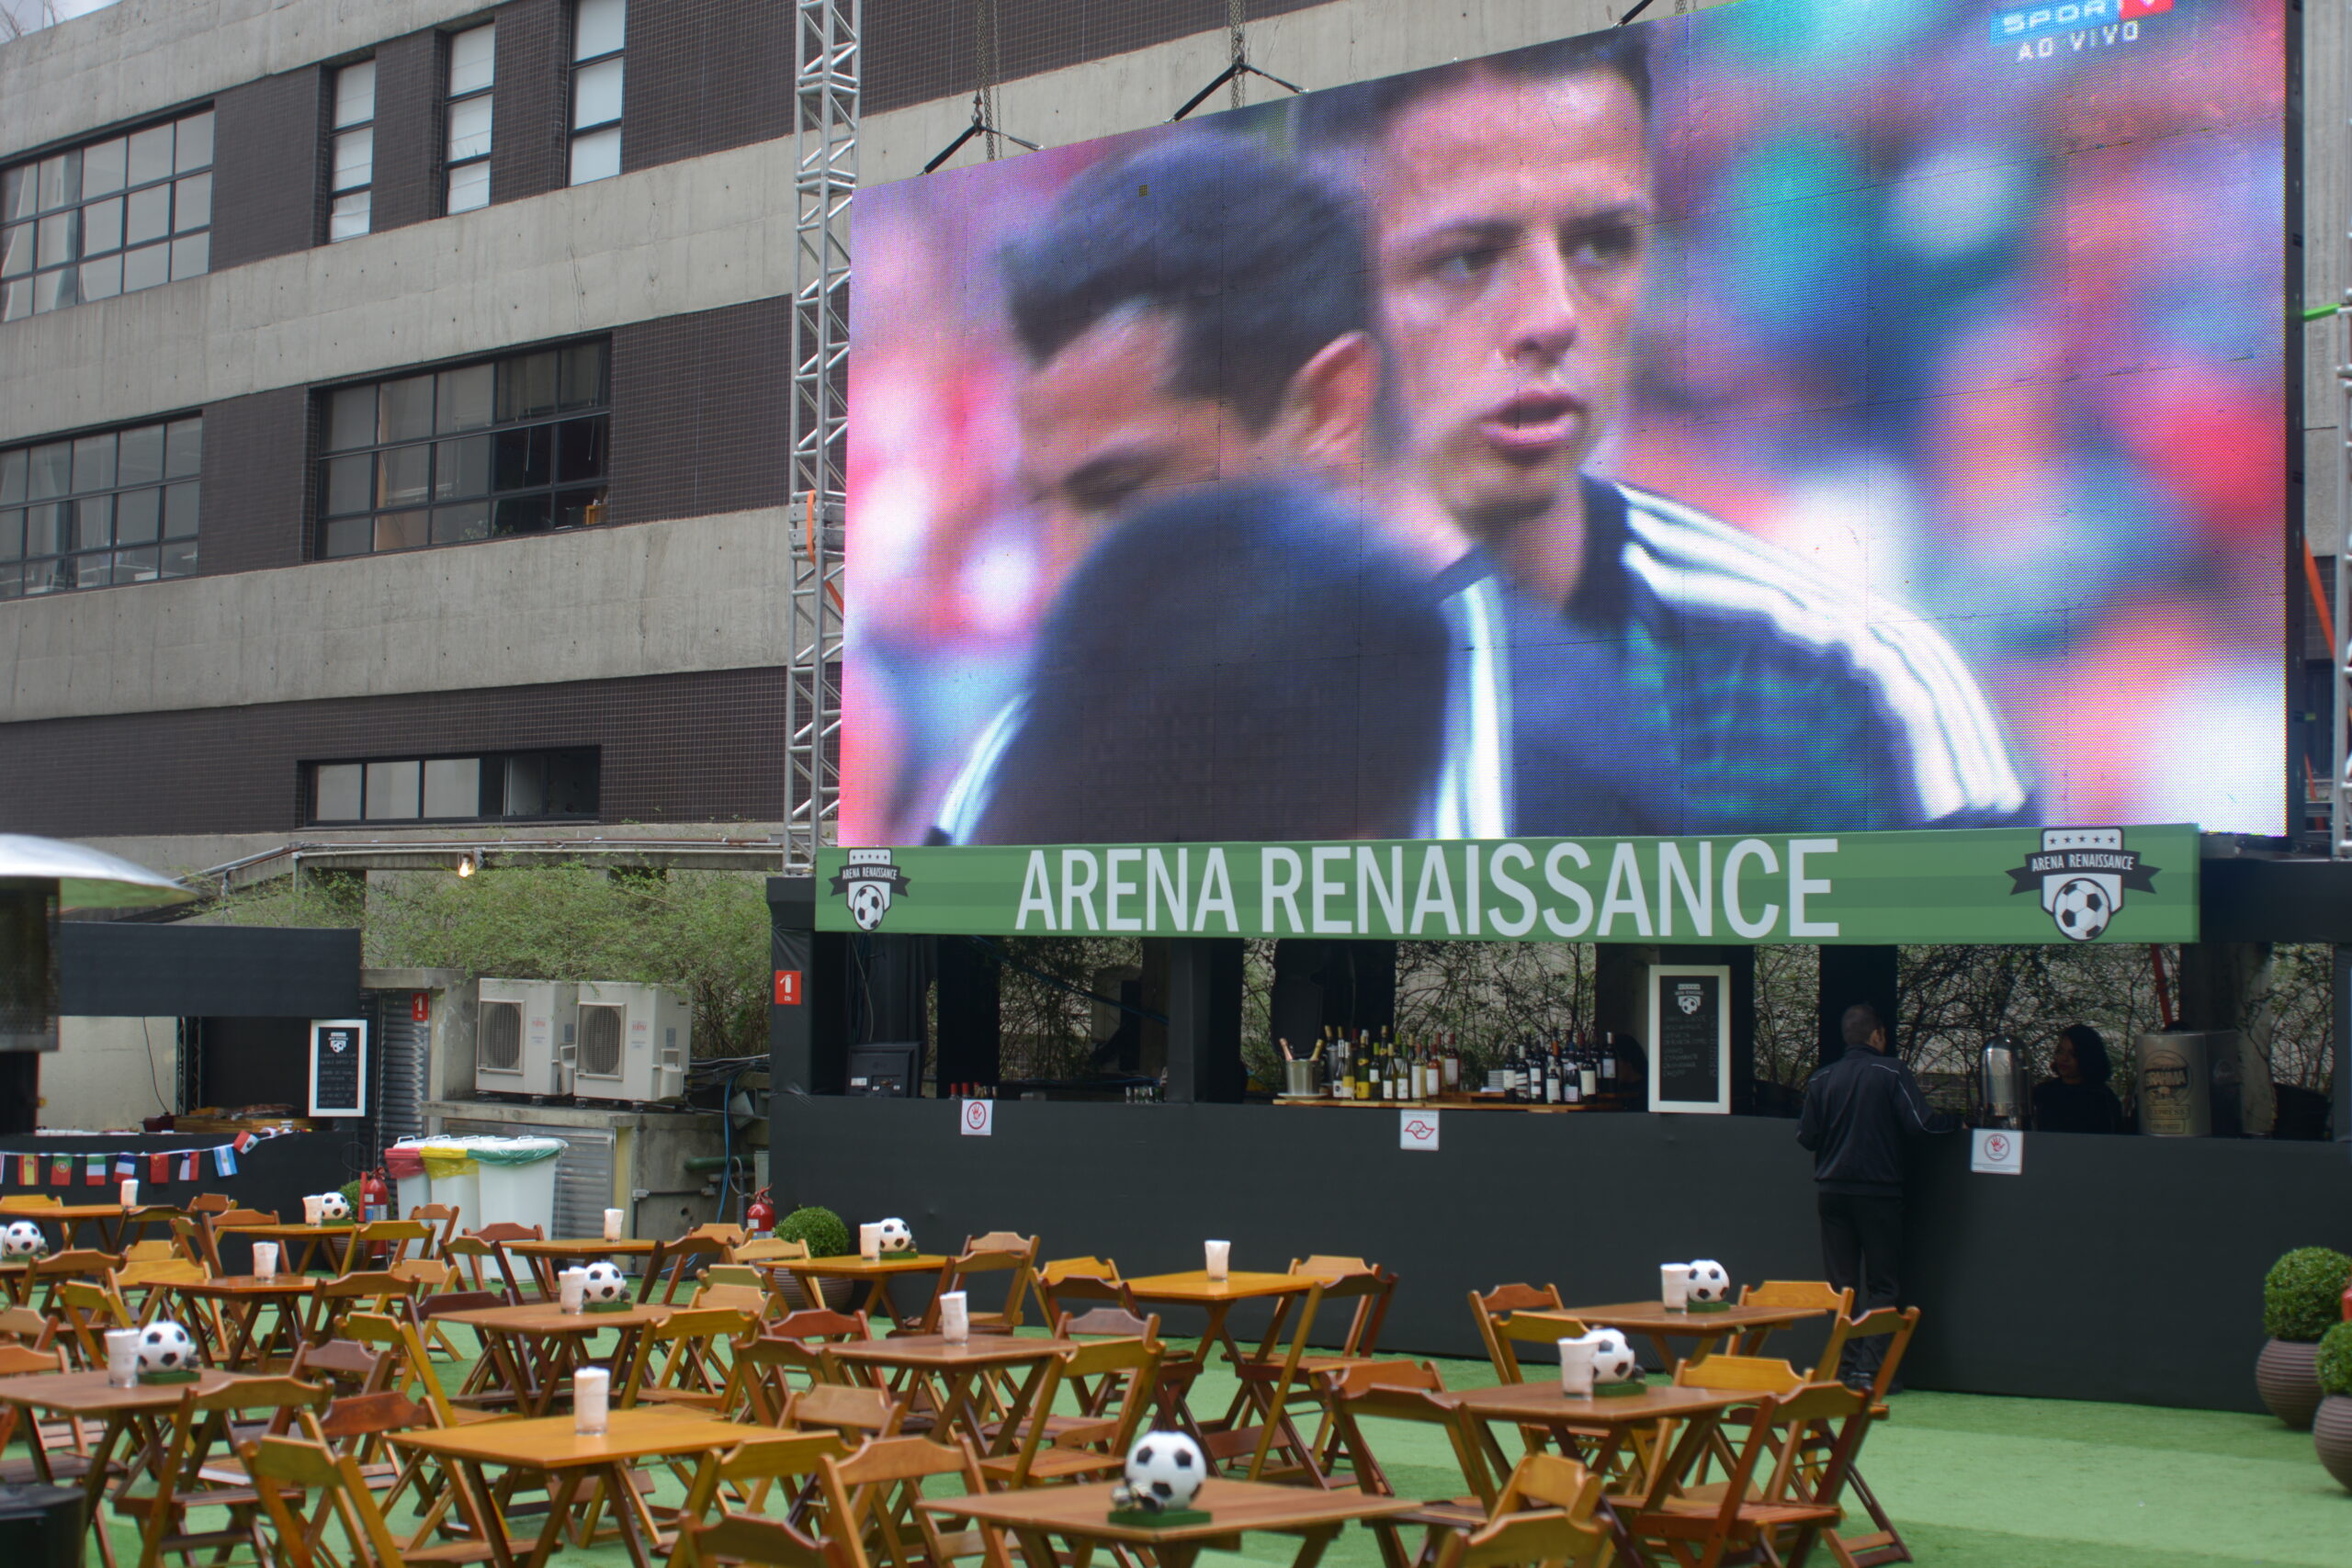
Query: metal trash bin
x=42, y=1527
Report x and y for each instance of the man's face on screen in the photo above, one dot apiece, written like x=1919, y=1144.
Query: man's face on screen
x=1512, y=221
x=1102, y=434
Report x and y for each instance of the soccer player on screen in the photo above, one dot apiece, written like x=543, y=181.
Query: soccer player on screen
x=1196, y=314
x=1655, y=669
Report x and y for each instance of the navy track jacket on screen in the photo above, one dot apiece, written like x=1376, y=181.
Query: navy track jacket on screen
x=1857, y=1110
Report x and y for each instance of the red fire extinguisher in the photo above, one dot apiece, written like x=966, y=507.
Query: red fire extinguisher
x=761, y=1215
x=376, y=1195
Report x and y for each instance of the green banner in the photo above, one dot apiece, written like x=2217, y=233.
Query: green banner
x=1989, y=885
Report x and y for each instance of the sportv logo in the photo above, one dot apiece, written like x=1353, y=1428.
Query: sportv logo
x=2008, y=27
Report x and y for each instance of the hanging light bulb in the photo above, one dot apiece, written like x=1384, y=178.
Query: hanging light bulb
x=466, y=865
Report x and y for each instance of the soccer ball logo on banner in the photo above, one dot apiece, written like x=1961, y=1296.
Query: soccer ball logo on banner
x=868, y=883
x=2083, y=874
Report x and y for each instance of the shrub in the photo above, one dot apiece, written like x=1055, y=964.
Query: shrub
x=821, y=1228
x=2335, y=1366
x=2303, y=1295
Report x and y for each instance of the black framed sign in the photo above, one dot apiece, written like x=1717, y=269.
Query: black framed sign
x=1691, y=1038
x=339, y=1067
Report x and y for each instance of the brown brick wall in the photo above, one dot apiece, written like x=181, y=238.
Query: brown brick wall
x=699, y=405
x=698, y=748
x=529, y=149
x=408, y=131
x=255, y=452
x=704, y=76
x=267, y=171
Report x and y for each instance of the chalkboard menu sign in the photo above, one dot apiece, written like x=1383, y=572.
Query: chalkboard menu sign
x=339, y=1067
x=1689, y=1038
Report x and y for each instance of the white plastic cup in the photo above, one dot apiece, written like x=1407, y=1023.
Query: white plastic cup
x=1576, y=1365
x=1674, y=1286
x=122, y=1358
x=266, y=1258
x=869, y=1242
x=131, y=1193
x=312, y=1209
x=591, y=1395
x=612, y=1224
x=1219, y=1256
x=572, y=1290
x=955, y=1317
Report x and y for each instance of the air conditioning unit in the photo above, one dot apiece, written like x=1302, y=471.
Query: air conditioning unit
x=632, y=1043
x=522, y=1038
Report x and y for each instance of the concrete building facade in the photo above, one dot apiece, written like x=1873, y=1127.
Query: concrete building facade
x=405, y=449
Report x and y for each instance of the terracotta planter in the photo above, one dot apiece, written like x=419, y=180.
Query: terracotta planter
x=2286, y=1377
x=2332, y=1436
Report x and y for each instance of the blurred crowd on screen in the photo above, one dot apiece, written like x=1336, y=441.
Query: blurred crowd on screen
x=1999, y=338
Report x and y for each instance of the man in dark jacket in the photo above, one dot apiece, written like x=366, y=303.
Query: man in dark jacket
x=1857, y=1111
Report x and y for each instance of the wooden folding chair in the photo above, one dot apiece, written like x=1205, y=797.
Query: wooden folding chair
x=1764, y=1508
x=384, y=1244
x=696, y=1350
x=151, y=1250
x=84, y=1263
x=210, y=1203
x=331, y=1300
x=87, y=1309
x=185, y=1479
x=1493, y=1312
x=857, y=1414
x=279, y=1465
x=749, y=1539
x=690, y=1252
x=1404, y=1390
x=1547, y=1513
x=1094, y=1443
x=1066, y=1285
x=870, y=1494
x=1883, y=1542
x=1268, y=1381
x=768, y=1370
x=471, y=1254
x=997, y=1252
x=63, y=1444
x=443, y=1216
x=747, y=1473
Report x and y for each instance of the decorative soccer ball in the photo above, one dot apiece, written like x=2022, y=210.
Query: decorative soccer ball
x=602, y=1282
x=165, y=1347
x=23, y=1239
x=1164, y=1469
x=2082, y=908
x=896, y=1236
x=1708, y=1282
x=333, y=1208
x=1613, y=1359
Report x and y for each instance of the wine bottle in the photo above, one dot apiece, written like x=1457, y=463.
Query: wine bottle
x=1588, y=1074
x=1452, y=1064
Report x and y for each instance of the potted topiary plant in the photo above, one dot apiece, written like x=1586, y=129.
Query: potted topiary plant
x=2301, y=1299
x=2332, y=1426
x=826, y=1237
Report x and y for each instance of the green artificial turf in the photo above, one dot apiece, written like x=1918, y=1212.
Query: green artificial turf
x=1973, y=1482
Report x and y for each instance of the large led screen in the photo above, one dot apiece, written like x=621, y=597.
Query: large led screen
x=1804, y=414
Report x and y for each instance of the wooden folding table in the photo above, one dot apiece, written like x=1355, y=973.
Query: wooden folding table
x=547, y=1257
x=951, y=1371
x=536, y=1346
x=245, y=1297
x=1080, y=1515
x=1659, y=1323
x=550, y=1446
x=874, y=1273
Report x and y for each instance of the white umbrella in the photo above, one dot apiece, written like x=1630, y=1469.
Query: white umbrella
x=87, y=878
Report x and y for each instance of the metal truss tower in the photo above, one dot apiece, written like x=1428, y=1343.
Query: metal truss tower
x=825, y=126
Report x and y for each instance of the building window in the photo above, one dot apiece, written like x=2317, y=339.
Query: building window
x=473, y=66
x=501, y=786
x=598, y=31
x=355, y=151
x=507, y=446
x=100, y=509
x=128, y=212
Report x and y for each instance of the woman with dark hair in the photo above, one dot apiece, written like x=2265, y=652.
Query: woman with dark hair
x=2076, y=1099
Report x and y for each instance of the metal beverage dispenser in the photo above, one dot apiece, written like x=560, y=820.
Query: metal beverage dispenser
x=2001, y=1085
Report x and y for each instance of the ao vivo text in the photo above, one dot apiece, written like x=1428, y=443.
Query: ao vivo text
x=1657, y=887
